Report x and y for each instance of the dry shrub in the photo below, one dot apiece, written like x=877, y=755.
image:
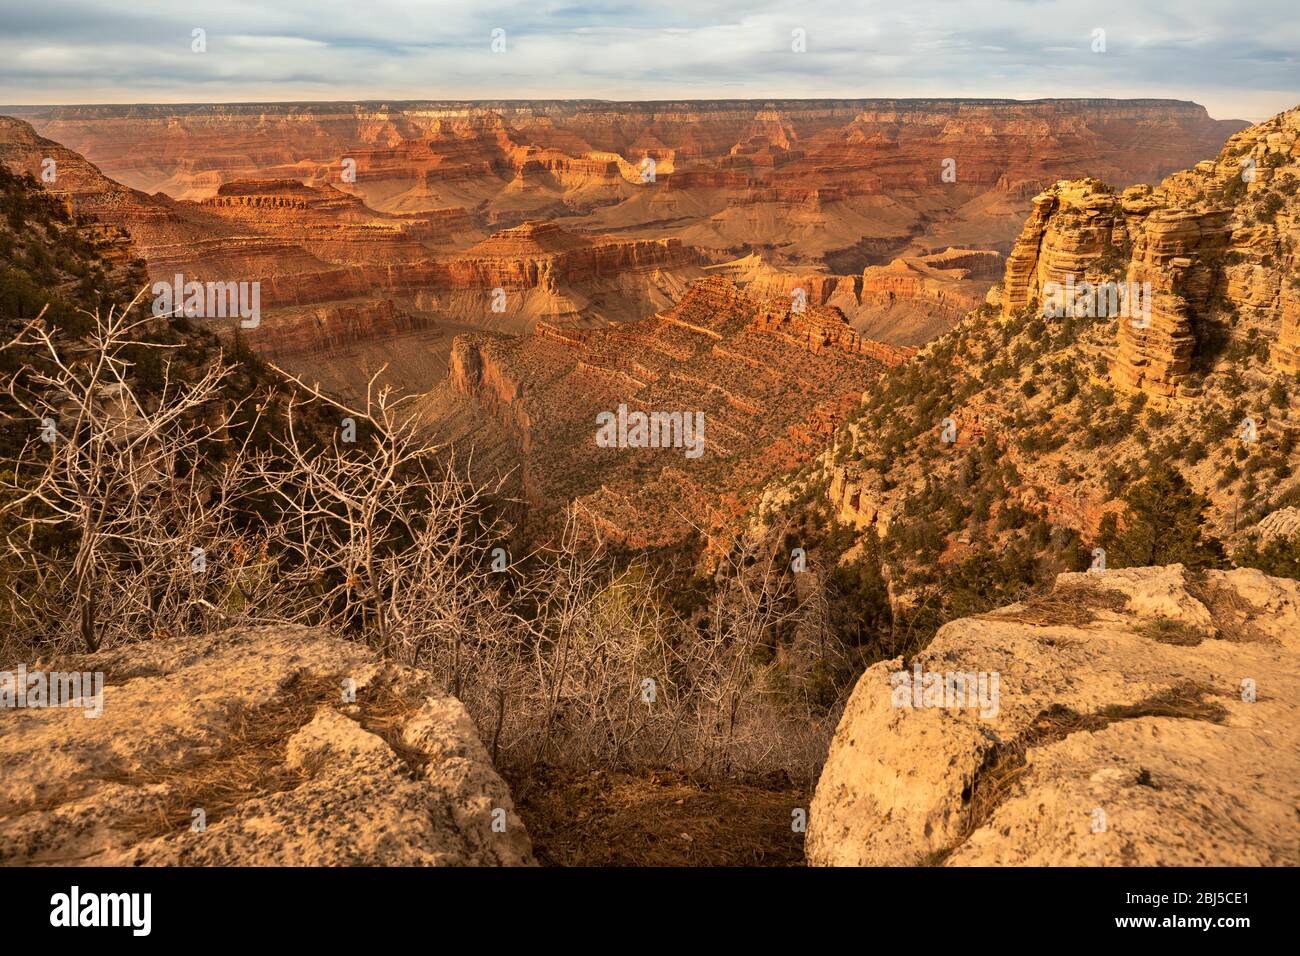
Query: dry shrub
x=562, y=658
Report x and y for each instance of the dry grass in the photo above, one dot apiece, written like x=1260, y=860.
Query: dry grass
x=1231, y=612
x=649, y=818
x=383, y=709
x=1168, y=631
x=1072, y=606
x=1186, y=701
x=249, y=763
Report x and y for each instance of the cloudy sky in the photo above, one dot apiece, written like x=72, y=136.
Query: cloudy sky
x=1240, y=59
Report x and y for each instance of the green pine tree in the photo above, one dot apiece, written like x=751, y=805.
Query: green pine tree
x=1279, y=557
x=1163, y=523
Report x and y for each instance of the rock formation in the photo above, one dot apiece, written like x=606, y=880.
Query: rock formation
x=1209, y=244
x=1144, y=717
x=1286, y=353
x=1283, y=523
x=854, y=502
x=247, y=748
x=545, y=256
x=855, y=182
x=769, y=382
x=904, y=303
x=1072, y=227
x=307, y=333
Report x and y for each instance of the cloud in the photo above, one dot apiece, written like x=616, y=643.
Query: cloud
x=1239, y=60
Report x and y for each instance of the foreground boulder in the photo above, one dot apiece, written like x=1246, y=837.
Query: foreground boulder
x=1145, y=716
x=267, y=746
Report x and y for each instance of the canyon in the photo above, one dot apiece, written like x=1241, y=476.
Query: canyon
x=837, y=355
x=380, y=231
x=520, y=265
x=531, y=405
x=524, y=267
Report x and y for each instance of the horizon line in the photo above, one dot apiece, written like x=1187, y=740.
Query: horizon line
x=584, y=100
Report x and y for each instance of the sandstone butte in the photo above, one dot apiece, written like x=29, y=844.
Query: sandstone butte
x=1206, y=248
x=771, y=383
x=1146, y=717
x=251, y=727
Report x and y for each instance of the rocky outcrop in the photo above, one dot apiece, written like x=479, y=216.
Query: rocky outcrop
x=1283, y=523
x=312, y=331
x=1134, y=717
x=1208, y=245
x=477, y=369
x=274, y=746
x=914, y=298
x=280, y=194
x=856, y=503
x=1075, y=233
x=819, y=327
x=1286, y=353
x=1176, y=253
x=904, y=303
x=76, y=181
x=544, y=255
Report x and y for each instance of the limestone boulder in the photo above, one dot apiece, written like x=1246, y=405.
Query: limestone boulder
x=1143, y=716
x=268, y=746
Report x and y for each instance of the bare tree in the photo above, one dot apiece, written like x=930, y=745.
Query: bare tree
x=134, y=512
x=125, y=482
x=378, y=524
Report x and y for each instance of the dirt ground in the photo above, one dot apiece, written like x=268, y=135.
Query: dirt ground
x=600, y=818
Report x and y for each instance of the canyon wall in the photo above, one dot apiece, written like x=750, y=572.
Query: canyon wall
x=768, y=383
x=149, y=146
x=845, y=178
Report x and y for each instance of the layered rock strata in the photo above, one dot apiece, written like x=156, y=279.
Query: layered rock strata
x=735, y=360
x=1208, y=246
